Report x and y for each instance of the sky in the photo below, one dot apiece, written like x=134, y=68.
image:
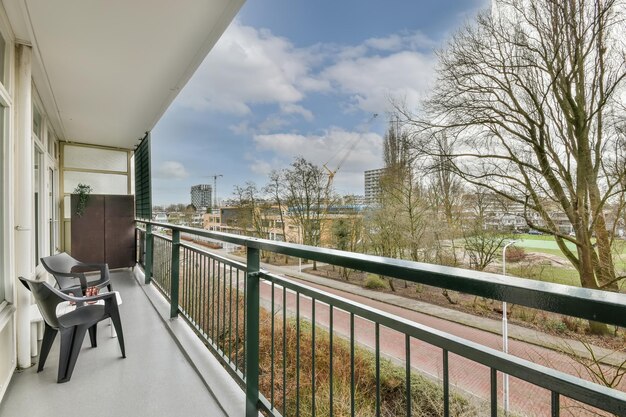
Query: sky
x=300, y=78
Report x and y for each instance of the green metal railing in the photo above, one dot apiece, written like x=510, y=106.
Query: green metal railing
x=277, y=336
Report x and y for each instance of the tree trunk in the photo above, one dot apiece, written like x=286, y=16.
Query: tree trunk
x=445, y=293
x=605, y=270
x=588, y=280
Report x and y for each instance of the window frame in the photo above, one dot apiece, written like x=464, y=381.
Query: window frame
x=6, y=175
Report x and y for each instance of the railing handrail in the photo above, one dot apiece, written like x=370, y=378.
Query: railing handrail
x=602, y=306
x=190, y=246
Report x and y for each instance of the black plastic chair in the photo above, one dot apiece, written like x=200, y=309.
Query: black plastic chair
x=69, y=273
x=73, y=325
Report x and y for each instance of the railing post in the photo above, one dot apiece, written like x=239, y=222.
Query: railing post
x=175, y=273
x=252, y=332
x=149, y=254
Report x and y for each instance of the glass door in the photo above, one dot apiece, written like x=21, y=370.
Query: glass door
x=52, y=212
x=37, y=188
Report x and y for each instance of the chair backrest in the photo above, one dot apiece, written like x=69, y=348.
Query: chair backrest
x=46, y=298
x=62, y=263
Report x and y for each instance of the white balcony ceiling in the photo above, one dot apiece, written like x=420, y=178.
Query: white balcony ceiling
x=107, y=70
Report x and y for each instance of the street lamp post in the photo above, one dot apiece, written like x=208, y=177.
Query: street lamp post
x=505, y=334
x=300, y=242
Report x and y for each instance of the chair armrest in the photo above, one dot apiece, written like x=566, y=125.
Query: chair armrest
x=67, y=297
x=81, y=277
x=103, y=268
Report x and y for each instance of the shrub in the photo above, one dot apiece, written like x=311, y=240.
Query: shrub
x=374, y=282
x=515, y=254
x=572, y=323
x=556, y=325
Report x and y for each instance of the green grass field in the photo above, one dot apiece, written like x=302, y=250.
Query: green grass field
x=561, y=275
x=540, y=242
x=547, y=273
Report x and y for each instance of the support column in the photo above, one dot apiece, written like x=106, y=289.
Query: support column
x=253, y=265
x=24, y=210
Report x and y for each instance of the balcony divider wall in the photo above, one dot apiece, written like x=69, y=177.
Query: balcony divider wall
x=105, y=169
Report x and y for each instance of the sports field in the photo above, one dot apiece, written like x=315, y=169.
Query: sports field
x=562, y=275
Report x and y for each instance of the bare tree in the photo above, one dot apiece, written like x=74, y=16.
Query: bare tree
x=445, y=197
x=274, y=189
x=254, y=210
x=307, y=196
x=403, y=199
x=483, y=245
x=402, y=194
x=396, y=148
x=383, y=232
x=348, y=234
x=397, y=224
x=529, y=96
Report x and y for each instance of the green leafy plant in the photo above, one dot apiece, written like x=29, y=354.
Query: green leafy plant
x=374, y=282
x=83, y=191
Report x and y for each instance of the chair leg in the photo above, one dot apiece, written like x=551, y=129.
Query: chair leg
x=117, y=324
x=93, y=332
x=49, y=335
x=79, y=336
x=67, y=340
x=71, y=343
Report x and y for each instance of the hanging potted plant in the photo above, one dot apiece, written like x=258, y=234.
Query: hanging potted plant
x=83, y=191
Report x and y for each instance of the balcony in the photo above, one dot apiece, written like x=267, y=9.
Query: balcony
x=297, y=350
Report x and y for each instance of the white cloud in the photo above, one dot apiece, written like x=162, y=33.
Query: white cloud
x=251, y=66
x=371, y=81
x=172, y=170
x=361, y=151
x=389, y=43
x=260, y=167
x=272, y=123
x=397, y=41
x=291, y=108
x=240, y=128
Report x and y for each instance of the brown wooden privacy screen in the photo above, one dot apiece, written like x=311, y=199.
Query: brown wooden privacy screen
x=106, y=230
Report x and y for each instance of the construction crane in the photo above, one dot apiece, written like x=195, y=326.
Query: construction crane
x=350, y=146
x=215, y=177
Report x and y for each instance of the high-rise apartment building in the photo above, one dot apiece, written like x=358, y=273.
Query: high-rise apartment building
x=201, y=196
x=372, y=185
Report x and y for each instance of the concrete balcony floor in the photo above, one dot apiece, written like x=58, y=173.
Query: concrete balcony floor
x=154, y=380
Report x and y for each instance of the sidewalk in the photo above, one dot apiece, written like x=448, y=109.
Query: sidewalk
x=516, y=332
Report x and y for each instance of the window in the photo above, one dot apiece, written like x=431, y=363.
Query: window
x=3, y=47
x=38, y=196
x=51, y=143
x=3, y=204
x=53, y=212
x=4, y=279
x=37, y=119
